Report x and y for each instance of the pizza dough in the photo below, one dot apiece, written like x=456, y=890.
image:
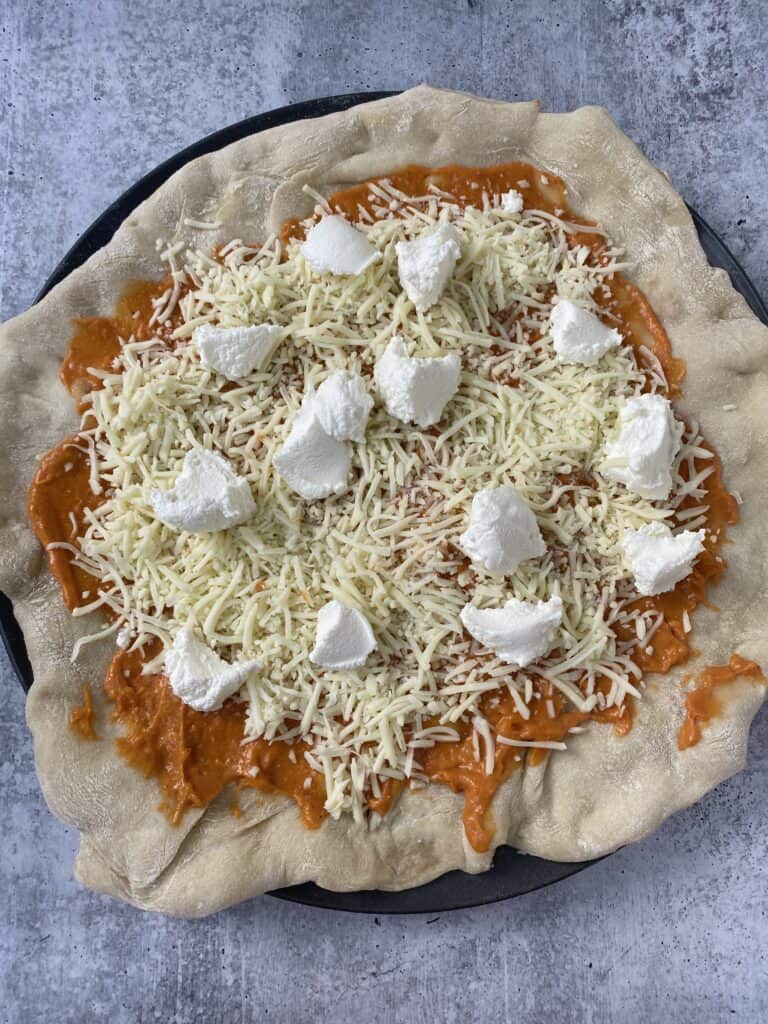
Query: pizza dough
x=606, y=791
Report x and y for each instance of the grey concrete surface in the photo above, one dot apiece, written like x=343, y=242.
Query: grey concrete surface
x=92, y=95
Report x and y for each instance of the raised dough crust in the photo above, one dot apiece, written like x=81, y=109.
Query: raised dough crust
x=606, y=791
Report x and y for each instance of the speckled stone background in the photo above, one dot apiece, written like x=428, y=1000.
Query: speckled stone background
x=94, y=94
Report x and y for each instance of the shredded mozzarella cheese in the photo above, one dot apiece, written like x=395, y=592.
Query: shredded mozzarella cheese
x=389, y=545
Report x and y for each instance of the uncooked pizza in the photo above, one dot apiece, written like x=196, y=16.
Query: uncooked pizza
x=386, y=491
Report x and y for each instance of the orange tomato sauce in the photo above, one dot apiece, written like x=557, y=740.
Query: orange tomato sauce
x=81, y=719
x=194, y=755
x=702, y=704
x=95, y=343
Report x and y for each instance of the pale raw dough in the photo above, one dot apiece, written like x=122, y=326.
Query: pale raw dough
x=605, y=791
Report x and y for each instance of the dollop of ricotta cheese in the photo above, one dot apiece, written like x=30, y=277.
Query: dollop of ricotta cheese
x=578, y=335
x=334, y=245
x=518, y=633
x=312, y=463
x=208, y=495
x=425, y=264
x=344, y=637
x=343, y=405
x=659, y=558
x=502, y=531
x=199, y=677
x=641, y=456
x=236, y=352
x=416, y=390
x=512, y=201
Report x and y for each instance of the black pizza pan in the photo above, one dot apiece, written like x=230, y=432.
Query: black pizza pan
x=512, y=874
